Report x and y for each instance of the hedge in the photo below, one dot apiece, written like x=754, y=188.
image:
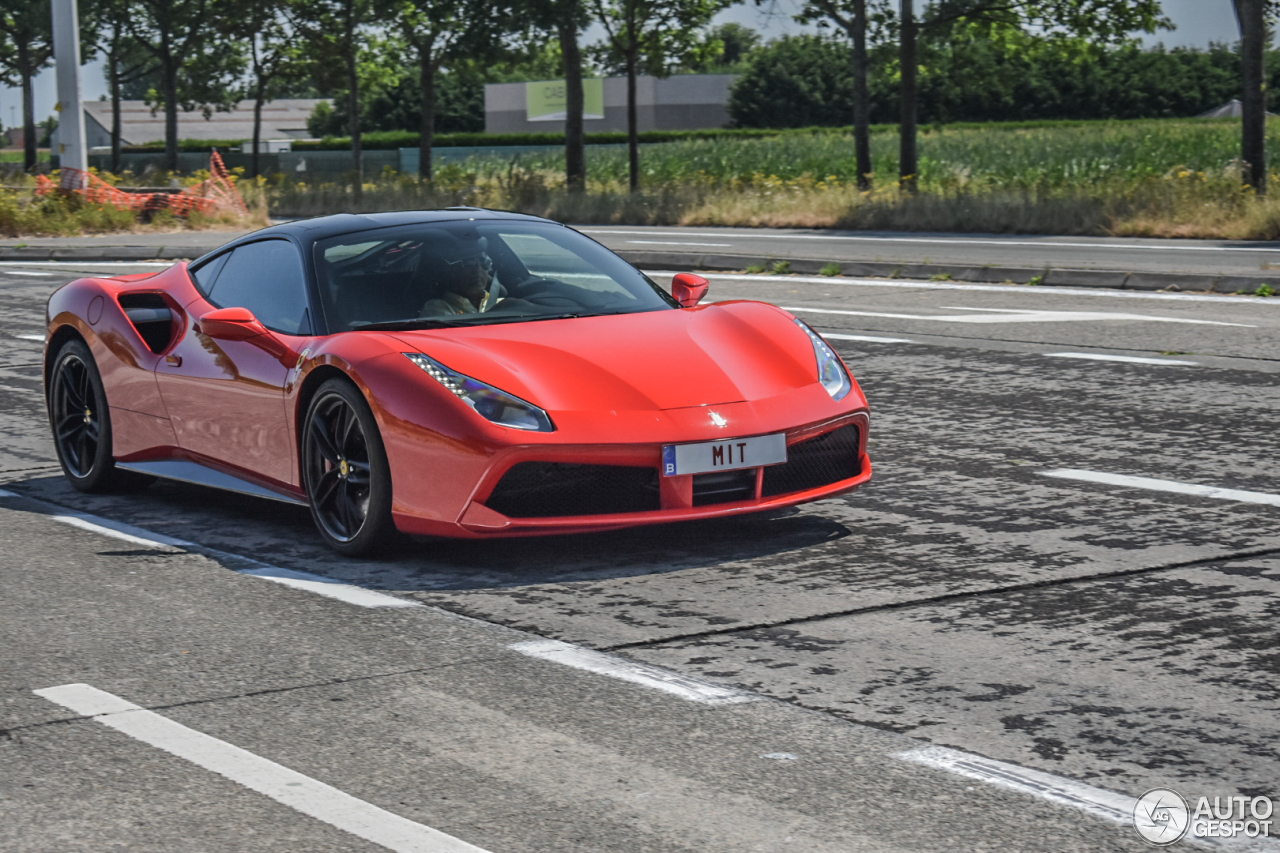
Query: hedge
x=393, y=139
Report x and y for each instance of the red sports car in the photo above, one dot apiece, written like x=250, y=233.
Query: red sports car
x=456, y=372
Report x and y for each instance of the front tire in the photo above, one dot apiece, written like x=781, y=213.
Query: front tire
x=81, y=422
x=345, y=471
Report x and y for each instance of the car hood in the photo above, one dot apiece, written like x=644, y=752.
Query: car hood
x=720, y=353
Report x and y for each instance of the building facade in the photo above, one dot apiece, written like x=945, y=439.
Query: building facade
x=682, y=102
x=285, y=118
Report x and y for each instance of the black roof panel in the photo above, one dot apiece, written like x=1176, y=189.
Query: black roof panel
x=324, y=227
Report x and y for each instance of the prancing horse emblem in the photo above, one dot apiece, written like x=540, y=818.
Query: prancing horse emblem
x=718, y=420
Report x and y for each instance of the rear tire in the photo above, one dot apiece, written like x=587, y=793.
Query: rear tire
x=345, y=472
x=81, y=422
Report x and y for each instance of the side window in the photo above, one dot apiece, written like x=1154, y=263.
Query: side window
x=207, y=274
x=267, y=279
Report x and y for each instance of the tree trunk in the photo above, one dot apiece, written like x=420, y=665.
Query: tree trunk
x=575, y=153
x=113, y=75
x=353, y=106
x=170, y=83
x=1253, y=100
x=258, y=97
x=908, y=160
x=633, y=135
x=861, y=97
x=29, y=140
x=427, y=134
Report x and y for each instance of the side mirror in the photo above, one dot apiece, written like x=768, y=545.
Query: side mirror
x=231, y=324
x=689, y=289
x=239, y=324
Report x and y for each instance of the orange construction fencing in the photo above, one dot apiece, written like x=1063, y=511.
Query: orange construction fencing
x=215, y=194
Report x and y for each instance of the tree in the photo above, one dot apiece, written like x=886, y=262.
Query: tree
x=195, y=68
x=730, y=47
x=1104, y=21
x=336, y=33
x=437, y=31
x=736, y=44
x=851, y=16
x=795, y=81
x=104, y=30
x=26, y=46
x=569, y=15
x=274, y=58
x=563, y=19
x=1252, y=15
x=976, y=72
x=654, y=32
x=908, y=156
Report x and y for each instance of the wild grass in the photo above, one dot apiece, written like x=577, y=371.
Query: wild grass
x=23, y=213
x=1173, y=178
x=60, y=216
x=1165, y=178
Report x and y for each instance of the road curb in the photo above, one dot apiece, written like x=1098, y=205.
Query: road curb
x=106, y=253
x=1108, y=279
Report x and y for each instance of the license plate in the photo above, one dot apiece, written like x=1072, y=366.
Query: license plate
x=729, y=455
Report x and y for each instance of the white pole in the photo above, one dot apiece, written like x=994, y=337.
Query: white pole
x=72, y=150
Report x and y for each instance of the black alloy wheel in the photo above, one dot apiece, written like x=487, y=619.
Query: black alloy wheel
x=81, y=422
x=345, y=471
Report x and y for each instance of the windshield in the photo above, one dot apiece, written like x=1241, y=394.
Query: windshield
x=458, y=273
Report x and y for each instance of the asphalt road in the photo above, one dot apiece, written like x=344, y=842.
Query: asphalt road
x=998, y=589
x=1207, y=257
x=1122, y=254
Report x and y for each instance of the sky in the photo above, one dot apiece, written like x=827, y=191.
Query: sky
x=1199, y=22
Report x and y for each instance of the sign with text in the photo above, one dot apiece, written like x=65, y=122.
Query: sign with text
x=729, y=455
x=545, y=100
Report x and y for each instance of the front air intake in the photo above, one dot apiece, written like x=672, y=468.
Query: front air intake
x=552, y=489
x=816, y=462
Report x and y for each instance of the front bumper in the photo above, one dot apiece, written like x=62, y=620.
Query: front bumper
x=676, y=498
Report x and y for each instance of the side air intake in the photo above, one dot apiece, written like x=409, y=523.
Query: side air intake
x=152, y=317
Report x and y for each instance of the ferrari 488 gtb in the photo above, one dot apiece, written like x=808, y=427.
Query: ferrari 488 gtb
x=454, y=373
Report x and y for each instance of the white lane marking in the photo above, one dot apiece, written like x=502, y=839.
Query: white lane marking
x=1042, y=290
x=1104, y=804
x=693, y=689
x=933, y=241
x=28, y=272
x=39, y=338
x=317, y=584
x=123, y=532
x=1128, y=359
x=1006, y=315
x=677, y=243
x=328, y=587
x=1108, y=805
x=868, y=338
x=1164, y=486
x=288, y=787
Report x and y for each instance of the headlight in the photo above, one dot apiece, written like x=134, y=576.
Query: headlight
x=831, y=372
x=492, y=403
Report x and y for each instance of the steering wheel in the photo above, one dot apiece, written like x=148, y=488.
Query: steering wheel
x=523, y=288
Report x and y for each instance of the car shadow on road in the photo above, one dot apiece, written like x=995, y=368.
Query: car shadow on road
x=247, y=528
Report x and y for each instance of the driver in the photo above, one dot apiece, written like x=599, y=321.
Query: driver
x=467, y=284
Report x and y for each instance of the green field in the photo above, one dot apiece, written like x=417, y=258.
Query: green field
x=1153, y=177
x=16, y=155
x=995, y=156
x=1156, y=178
